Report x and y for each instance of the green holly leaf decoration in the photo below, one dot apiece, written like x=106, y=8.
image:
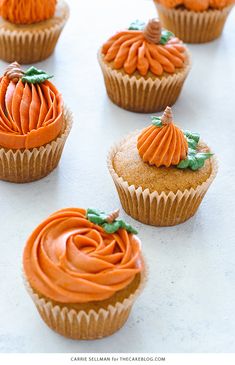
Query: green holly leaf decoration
x=195, y=159
x=137, y=25
x=156, y=121
x=166, y=35
x=35, y=76
x=100, y=218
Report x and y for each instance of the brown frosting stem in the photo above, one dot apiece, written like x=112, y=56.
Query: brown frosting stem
x=112, y=216
x=167, y=116
x=14, y=72
x=152, y=31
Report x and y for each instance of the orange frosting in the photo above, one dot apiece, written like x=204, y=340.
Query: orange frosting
x=27, y=11
x=163, y=146
x=197, y=5
x=134, y=51
x=71, y=260
x=30, y=115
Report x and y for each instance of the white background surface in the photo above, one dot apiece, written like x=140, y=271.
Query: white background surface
x=188, y=303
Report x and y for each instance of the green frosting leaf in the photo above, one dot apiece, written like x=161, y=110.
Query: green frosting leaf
x=137, y=25
x=166, y=35
x=195, y=159
x=100, y=218
x=35, y=76
x=156, y=121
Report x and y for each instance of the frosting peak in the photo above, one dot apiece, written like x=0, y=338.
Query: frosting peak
x=163, y=143
x=69, y=259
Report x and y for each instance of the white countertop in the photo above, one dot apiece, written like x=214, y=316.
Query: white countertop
x=188, y=303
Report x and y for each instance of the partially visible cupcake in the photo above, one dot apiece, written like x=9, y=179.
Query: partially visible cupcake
x=162, y=173
x=84, y=270
x=194, y=21
x=29, y=29
x=34, y=124
x=144, y=67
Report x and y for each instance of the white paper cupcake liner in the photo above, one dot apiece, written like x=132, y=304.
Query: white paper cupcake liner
x=140, y=94
x=158, y=209
x=80, y=325
x=21, y=166
x=191, y=26
x=29, y=44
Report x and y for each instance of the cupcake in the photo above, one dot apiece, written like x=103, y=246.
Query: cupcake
x=194, y=21
x=83, y=270
x=29, y=29
x=34, y=124
x=162, y=172
x=144, y=67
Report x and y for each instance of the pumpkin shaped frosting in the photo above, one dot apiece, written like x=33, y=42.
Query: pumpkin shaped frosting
x=70, y=259
x=196, y=5
x=148, y=49
x=31, y=109
x=163, y=143
x=27, y=11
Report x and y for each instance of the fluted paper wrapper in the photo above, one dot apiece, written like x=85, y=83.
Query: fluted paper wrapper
x=33, y=45
x=158, y=209
x=191, y=26
x=80, y=325
x=142, y=95
x=21, y=166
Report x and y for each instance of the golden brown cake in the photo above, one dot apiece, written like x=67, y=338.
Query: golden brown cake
x=29, y=29
x=34, y=124
x=194, y=21
x=162, y=173
x=83, y=270
x=144, y=67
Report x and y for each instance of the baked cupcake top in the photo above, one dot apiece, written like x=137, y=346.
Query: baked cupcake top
x=144, y=49
x=79, y=256
x=196, y=5
x=27, y=11
x=162, y=157
x=31, y=108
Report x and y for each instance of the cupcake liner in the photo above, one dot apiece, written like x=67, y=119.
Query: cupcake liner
x=191, y=26
x=158, y=209
x=80, y=325
x=140, y=94
x=21, y=166
x=34, y=43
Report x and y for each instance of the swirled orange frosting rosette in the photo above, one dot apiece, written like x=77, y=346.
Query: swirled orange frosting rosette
x=27, y=11
x=145, y=50
x=163, y=145
x=70, y=259
x=31, y=109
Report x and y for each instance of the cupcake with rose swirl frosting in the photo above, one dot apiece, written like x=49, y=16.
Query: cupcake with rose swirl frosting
x=162, y=172
x=144, y=67
x=194, y=21
x=83, y=270
x=34, y=124
x=30, y=29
